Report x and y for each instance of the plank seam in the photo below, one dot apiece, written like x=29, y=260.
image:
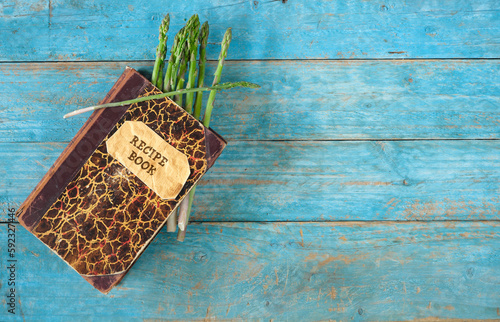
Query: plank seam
x=254, y=60
x=363, y=140
x=301, y=140
x=334, y=221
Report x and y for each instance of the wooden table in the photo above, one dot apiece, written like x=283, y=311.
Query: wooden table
x=361, y=182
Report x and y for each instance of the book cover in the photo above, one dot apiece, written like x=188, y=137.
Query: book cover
x=118, y=180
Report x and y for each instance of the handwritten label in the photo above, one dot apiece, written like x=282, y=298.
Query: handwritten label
x=159, y=165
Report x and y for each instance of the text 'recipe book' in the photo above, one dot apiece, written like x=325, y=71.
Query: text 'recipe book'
x=114, y=186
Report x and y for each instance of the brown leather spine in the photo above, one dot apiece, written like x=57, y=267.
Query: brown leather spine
x=80, y=148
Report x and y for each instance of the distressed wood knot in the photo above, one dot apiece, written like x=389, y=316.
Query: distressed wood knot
x=200, y=257
x=470, y=272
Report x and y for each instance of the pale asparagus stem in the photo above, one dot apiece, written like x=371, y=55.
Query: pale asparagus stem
x=184, y=219
x=181, y=235
x=183, y=208
x=222, y=58
x=171, y=220
x=162, y=95
x=161, y=50
x=202, y=64
x=188, y=204
x=193, y=51
x=183, y=214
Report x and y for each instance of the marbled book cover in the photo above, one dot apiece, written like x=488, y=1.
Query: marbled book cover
x=114, y=186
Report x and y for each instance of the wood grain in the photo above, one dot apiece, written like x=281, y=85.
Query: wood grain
x=360, y=183
x=282, y=271
x=319, y=100
x=62, y=30
x=319, y=181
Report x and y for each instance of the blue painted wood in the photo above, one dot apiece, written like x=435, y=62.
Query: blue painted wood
x=319, y=181
x=385, y=267
x=281, y=271
x=298, y=100
x=56, y=30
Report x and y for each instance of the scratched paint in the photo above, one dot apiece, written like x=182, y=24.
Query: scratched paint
x=381, y=271
x=306, y=100
x=50, y=30
x=317, y=181
x=333, y=232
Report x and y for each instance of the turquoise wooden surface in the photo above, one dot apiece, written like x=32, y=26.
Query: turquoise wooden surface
x=319, y=180
x=360, y=183
x=55, y=30
x=282, y=271
x=299, y=100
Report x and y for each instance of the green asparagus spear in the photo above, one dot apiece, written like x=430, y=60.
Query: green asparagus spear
x=202, y=64
x=184, y=217
x=180, y=50
x=161, y=50
x=218, y=87
x=191, y=47
x=178, y=58
x=181, y=75
x=222, y=57
x=168, y=74
x=159, y=82
x=193, y=51
x=178, y=72
x=186, y=203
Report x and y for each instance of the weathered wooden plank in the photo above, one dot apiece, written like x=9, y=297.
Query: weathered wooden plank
x=283, y=271
x=298, y=100
x=316, y=181
x=58, y=30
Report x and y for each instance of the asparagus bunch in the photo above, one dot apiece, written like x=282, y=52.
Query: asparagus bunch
x=190, y=41
x=184, y=53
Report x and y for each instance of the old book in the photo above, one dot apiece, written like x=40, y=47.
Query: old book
x=116, y=183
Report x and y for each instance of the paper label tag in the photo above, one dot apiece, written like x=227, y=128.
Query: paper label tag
x=159, y=165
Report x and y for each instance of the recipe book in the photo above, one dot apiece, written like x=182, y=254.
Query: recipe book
x=112, y=189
